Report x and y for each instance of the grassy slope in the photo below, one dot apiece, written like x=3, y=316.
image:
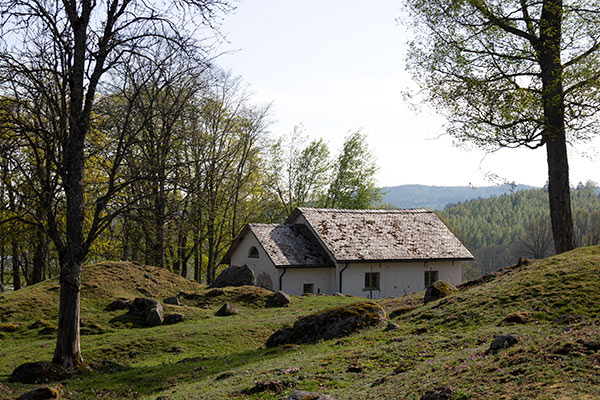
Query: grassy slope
x=442, y=343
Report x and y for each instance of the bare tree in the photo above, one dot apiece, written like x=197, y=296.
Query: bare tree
x=537, y=241
x=69, y=46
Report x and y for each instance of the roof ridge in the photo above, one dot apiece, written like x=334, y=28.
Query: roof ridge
x=369, y=210
x=262, y=224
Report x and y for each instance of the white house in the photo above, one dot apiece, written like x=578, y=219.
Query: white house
x=369, y=253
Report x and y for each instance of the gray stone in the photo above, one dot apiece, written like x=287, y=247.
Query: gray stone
x=226, y=309
x=236, y=275
x=141, y=305
x=300, y=395
x=279, y=299
x=329, y=324
x=502, y=342
x=119, y=304
x=154, y=316
x=174, y=318
x=215, y=293
x=150, y=309
x=391, y=327
x=43, y=393
x=174, y=301
x=439, y=393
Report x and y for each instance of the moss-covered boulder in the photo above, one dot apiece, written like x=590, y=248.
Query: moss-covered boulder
x=328, y=324
x=38, y=372
x=438, y=290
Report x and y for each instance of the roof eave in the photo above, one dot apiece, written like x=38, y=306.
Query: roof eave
x=304, y=266
x=403, y=260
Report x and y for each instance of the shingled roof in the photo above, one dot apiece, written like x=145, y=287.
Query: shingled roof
x=383, y=235
x=287, y=245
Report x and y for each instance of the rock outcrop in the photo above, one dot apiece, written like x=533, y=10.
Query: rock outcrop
x=43, y=393
x=328, y=324
x=174, y=318
x=174, y=301
x=300, y=395
x=439, y=393
x=151, y=310
x=119, y=304
x=38, y=372
x=236, y=275
x=226, y=309
x=438, y=290
x=502, y=342
x=279, y=299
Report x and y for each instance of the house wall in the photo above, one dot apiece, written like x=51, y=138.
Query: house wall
x=322, y=279
x=396, y=279
x=264, y=270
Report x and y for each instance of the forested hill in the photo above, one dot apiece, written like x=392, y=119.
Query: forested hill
x=500, y=229
x=437, y=197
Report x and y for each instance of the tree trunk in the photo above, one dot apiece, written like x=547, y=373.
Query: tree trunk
x=210, y=233
x=67, y=352
x=16, y=269
x=197, y=263
x=159, y=220
x=559, y=191
x=40, y=256
x=181, y=254
x=2, y=263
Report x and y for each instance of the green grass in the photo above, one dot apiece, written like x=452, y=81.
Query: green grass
x=441, y=344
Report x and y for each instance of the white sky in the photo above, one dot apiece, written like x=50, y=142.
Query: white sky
x=336, y=66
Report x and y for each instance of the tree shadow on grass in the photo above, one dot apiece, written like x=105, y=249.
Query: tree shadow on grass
x=157, y=378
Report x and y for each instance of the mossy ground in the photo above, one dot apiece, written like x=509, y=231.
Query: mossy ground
x=440, y=344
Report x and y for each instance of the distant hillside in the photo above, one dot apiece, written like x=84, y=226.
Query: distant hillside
x=500, y=229
x=437, y=197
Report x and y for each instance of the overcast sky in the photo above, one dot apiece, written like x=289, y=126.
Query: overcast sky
x=336, y=66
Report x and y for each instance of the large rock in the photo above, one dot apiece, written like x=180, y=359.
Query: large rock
x=174, y=301
x=439, y=393
x=438, y=290
x=154, y=316
x=43, y=393
x=502, y=342
x=236, y=275
x=119, y=304
x=300, y=395
x=226, y=309
x=174, y=318
x=38, y=372
x=150, y=309
x=328, y=324
x=279, y=299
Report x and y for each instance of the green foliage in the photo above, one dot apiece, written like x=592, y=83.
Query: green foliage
x=298, y=172
x=353, y=180
x=481, y=62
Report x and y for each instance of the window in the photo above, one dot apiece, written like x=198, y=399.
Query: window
x=430, y=277
x=253, y=252
x=308, y=288
x=372, y=281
